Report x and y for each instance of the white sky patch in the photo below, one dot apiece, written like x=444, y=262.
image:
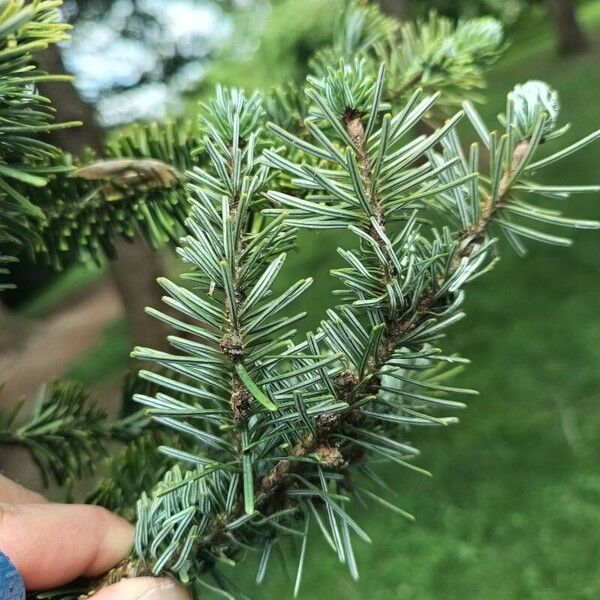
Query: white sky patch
x=184, y=19
x=146, y=102
x=102, y=59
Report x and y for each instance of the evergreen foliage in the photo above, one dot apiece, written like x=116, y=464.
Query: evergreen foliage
x=286, y=429
x=57, y=210
x=138, y=189
x=65, y=433
x=24, y=29
x=252, y=434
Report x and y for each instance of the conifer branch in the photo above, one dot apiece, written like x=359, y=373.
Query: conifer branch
x=65, y=434
x=279, y=432
x=355, y=391
x=401, y=293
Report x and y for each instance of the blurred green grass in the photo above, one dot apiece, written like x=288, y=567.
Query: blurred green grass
x=513, y=508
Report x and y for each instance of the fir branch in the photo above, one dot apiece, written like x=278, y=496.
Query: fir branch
x=345, y=395
x=25, y=29
x=139, y=189
x=439, y=55
x=65, y=434
x=397, y=328
x=380, y=388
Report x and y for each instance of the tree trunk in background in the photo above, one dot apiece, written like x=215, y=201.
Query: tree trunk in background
x=137, y=267
x=69, y=106
x=395, y=8
x=570, y=36
x=135, y=277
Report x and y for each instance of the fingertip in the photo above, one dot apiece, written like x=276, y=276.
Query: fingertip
x=144, y=588
x=52, y=544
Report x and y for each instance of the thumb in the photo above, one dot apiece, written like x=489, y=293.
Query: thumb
x=144, y=588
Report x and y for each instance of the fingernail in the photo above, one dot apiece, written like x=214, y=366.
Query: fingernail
x=144, y=588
